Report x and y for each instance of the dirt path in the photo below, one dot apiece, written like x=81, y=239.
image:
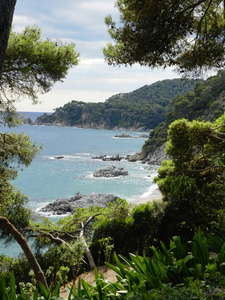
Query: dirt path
x=90, y=278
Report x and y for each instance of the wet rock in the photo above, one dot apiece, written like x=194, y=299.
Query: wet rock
x=123, y=136
x=135, y=157
x=69, y=205
x=116, y=157
x=110, y=171
x=145, y=136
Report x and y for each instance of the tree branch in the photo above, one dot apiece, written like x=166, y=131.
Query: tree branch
x=200, y=22
x=192, y=7
x=214, y=137
x=57, y=240
x=90, y=219
x=7, y=226
x=83, y=241
x=223, y=125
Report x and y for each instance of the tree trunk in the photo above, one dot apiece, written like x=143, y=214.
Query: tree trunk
x=6, y=15
x=224, y=9
x=5, y=224
x=86, y=249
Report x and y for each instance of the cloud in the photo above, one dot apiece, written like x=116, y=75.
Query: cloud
x=82, y=22
x=21, y=21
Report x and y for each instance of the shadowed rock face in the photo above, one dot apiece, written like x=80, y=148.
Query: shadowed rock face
x=110, y=171
x=69, y=205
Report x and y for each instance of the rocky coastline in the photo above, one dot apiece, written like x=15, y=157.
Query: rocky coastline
x=69, y=205
x=143, y=130
x=154, y=158
x=128, y=136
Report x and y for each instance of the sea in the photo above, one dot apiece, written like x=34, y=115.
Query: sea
x=49, y=178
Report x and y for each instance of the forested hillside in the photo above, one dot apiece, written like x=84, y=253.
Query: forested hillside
x=143, y=108
x=206, y=102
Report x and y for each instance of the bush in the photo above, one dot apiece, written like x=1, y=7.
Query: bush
x=193, y=270
x=19, y=266
x=134, y=232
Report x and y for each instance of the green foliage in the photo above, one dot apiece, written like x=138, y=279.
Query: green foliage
x=145, y=107
x=193, y=270
x=137, y=230
x=16, y=150
x=33, y=65
x=16, y=212
x=118, y=210
x=192, y=183
x=62, y=263
x=184, y=271
x=10, y=293
x=21, y=270
x=106, y=247
x=204, y=103
x=187, y=35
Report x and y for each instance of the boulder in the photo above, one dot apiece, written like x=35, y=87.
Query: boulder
x=69, y=205
x=110, y=171
x=123, y=136
x=145, y=136
x=139, y=156
x=116, y=157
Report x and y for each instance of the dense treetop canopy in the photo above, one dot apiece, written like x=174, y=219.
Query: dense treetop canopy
x=158, y=33
x=192, y=182
x=33, y=65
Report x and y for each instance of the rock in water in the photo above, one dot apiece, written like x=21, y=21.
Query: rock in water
x=69, y=205
x=59, y=157
x=123, y=136
x=110, y=171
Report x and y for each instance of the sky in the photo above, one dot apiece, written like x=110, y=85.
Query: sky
x=82, y=22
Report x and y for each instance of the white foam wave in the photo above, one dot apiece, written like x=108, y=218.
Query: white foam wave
x=67, y=157
x=145, y=195
x=88, y=176
x=48, y=157
x=49, y=214
x=152, y=188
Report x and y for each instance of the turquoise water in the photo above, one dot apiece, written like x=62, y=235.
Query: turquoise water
x=47, y=178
